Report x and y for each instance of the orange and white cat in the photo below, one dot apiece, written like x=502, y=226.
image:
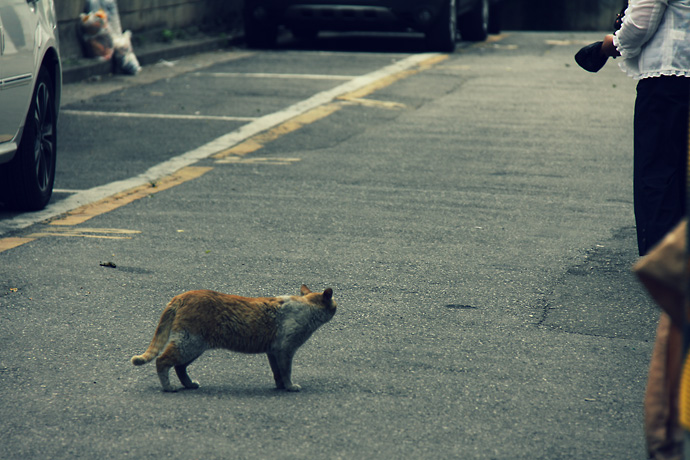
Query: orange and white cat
x=200, y=320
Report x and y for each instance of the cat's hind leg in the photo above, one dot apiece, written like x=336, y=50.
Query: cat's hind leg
x=180, y=352
x=164, y=362
x=188, y=383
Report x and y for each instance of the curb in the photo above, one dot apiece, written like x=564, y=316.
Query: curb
x=84, y=68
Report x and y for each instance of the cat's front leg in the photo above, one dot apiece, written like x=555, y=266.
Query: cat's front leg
x=281, y=364
x=273, y=361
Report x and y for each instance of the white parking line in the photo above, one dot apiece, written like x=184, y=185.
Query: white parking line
x=163, y=116
x=295, y=76
x=221, y=143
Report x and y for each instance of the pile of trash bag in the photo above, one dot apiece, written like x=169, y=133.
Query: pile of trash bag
x=103, y=38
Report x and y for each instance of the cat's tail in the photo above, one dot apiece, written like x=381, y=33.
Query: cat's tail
x=160, y=338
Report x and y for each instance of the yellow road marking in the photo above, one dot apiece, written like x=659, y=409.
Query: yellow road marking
x=86, y=212
x=495, y=38
x=257, y=142
x=103, y=206
x=389, y=80
x=232, y=155
x=357, y=97
x=13, y=242
x=248, y=146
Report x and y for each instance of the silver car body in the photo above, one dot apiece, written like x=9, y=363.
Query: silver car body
x=28, y=40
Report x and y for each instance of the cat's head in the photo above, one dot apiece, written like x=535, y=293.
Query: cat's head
x=323, y=299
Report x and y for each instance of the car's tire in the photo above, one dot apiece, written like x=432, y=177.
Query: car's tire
x=260, y=31
x=474, y=25
x=442, y=35
x=495, y=18
x=27, y=180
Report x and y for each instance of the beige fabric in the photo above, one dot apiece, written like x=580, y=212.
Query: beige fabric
x=663, y=273
x=663, y=433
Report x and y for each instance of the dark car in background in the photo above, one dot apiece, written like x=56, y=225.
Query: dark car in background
x=439, y=20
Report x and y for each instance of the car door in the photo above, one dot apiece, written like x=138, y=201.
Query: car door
x=18, y=29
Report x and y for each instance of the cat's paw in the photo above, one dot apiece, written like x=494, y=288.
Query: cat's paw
x=293, y=387
x=169, y=389
x=193, y=385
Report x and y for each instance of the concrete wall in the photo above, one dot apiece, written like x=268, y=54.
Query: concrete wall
x=149, y=17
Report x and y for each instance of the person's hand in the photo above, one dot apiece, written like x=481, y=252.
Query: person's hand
x=608, y=49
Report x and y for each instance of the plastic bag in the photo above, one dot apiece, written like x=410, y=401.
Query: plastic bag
x=110, y=8
x=96, y=35
x=125, y=60
x=103, y=36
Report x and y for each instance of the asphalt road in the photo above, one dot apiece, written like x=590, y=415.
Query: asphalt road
x=472, y=213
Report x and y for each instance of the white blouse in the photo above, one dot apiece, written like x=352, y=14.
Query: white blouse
x=654, y=39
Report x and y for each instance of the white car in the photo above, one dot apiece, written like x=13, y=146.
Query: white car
x=30, y=88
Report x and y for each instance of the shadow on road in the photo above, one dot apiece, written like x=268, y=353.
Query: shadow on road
x=357, y=42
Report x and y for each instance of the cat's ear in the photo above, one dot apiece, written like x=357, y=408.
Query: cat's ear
x=304, y=290
x=327, y=296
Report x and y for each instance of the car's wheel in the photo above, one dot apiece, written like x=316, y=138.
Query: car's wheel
x=260, y=31
x=27, y=181
x=495, y=18
x=474, y=25
x=443, y=33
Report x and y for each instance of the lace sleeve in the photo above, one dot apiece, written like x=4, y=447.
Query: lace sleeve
x=639, y=25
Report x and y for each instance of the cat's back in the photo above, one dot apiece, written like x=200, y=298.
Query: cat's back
x=207, y=303
x=217, y=316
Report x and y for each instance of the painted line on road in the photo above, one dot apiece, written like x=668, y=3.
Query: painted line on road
x=258, y=141
x=13, y=242
x=285, y=76
x=373, y=103
x=84, y=204
x=63, y=226
x=162, y=116
x=100, y=233
x=223, y=144
x=90, y=210
x=567, y=42
x=277, y=161
x=354, y=97
x=388, y=80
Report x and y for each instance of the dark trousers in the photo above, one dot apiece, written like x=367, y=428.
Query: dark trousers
x=660, y=169
x=661, y=151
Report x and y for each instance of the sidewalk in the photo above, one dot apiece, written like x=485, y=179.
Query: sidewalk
x=80, y=69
